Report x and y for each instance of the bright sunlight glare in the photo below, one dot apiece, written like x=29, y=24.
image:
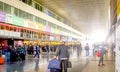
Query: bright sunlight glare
x=98, y=36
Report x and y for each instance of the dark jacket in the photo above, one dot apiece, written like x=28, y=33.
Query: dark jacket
x=87, y=47
x=62, y=52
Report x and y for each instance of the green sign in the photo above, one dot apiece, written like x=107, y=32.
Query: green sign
x=9, y=19
x=55, y=31
x=18, y=21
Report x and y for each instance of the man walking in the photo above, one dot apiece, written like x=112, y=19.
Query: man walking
x=63, y=55
x=36, y=50
x=87, y=49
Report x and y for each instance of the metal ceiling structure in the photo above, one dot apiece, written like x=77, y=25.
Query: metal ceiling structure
x=84, y=15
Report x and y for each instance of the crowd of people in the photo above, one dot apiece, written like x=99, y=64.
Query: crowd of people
x=19, y=52
x=63, y=51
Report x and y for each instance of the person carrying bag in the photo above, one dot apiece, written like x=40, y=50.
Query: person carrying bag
x=63, y=55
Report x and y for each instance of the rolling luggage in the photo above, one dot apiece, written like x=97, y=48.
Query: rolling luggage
x=2, y=60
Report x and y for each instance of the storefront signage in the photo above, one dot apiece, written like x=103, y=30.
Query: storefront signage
x=62, y=33
x=36, y=26
x=2, y=16
x=9, y=18
x=25, y=23
x=18, y=21
x=40, y=26
x=55, y=31
x=47, y=29
x=58, y=32
x=118, y=8
x=52, y=30
x=31, y=24
x=9, y=33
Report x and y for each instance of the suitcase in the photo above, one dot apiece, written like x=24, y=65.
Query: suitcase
x=2, y=60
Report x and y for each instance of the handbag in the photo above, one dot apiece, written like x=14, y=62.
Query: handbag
x=54, y=64
x=98, y=54
x=69, y=64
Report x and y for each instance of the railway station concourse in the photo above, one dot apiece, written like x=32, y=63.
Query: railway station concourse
x=80, y=35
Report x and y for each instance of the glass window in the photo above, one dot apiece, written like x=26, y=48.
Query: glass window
x=40, y=8
x=29, y=2
x=1, y=6
x=44, y=22
x=25, y=1
x=7, y=8
x=40, y=20
x=36, y=5
x=27, y=15
x=24, y=15
x=16, y=11
x=21, y=14
x=36, y=19
x=30, y=17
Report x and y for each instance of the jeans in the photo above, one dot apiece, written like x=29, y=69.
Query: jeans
x=101, y=60
x=87, y=52
x=36, y=54
x=63, y=66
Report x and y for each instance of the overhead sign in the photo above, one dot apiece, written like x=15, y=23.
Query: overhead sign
x=2, y=16
x=47, y=28
x=9, y=33
x=18, y=21
x=31, y=24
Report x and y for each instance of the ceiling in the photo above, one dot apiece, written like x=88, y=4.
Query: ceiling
x=86, y=16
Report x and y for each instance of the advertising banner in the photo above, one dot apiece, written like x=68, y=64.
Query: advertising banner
x=52, y=30
x=118, y=9
x=18, y=21
x=58, y=31
x=55, y=31
x=31, y=24
x=2, y=16
x=25, y=23
x=36, y=26
x=47, y=29
x=9, y=33
x=40, y=26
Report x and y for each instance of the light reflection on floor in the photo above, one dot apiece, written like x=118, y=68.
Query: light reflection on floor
x=79, y=64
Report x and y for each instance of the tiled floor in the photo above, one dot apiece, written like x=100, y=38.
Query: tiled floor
x=92, y=66
x=79, y=64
